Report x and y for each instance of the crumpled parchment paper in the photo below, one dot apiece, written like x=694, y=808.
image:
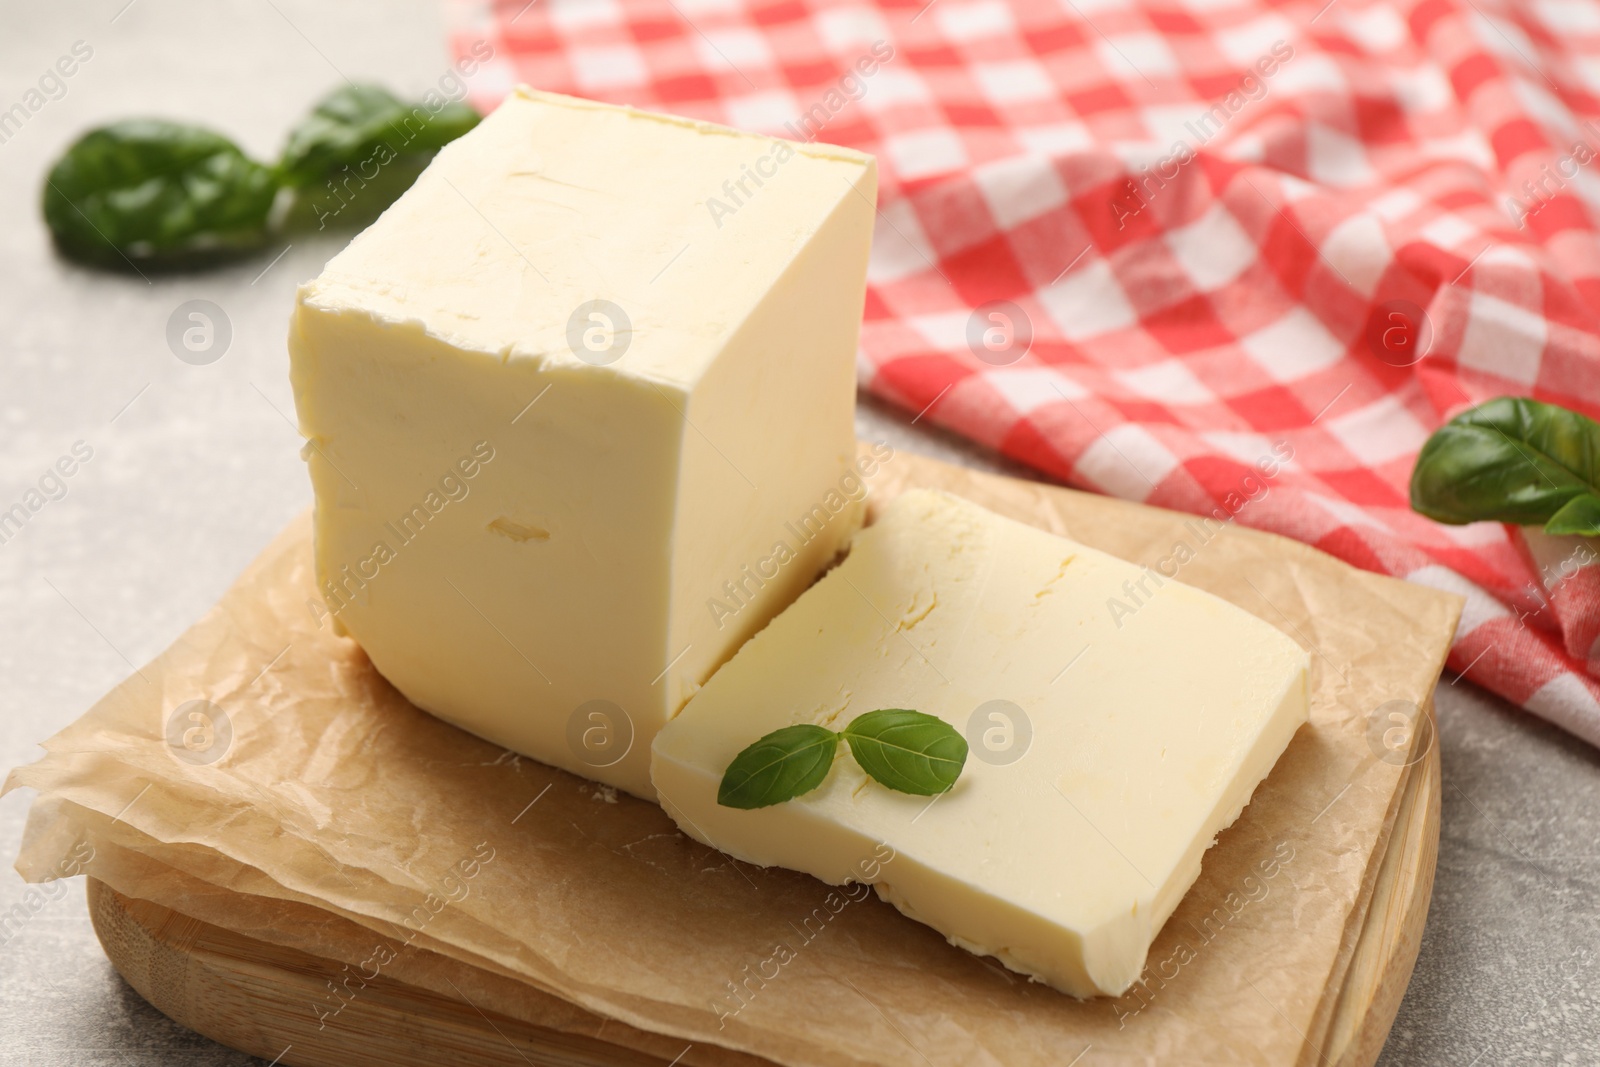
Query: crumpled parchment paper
x=312, y=806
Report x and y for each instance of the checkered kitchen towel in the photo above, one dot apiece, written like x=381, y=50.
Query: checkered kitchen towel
x=1225, y=256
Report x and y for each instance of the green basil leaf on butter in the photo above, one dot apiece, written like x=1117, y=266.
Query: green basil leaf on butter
x=1507, y=460
x=1580, y=515
x=781, y=766
x=147, y=193
x=907, y=751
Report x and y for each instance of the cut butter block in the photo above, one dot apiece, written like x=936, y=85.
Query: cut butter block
x=579, y=415
x=1106, y=752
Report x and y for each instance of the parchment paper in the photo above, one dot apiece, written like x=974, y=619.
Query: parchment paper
x=335, y=795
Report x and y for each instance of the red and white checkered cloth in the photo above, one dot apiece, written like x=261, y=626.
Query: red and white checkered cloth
x=1205, y=211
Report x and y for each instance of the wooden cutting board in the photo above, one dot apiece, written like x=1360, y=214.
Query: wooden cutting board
x=1332, y=1008
x=252, y=996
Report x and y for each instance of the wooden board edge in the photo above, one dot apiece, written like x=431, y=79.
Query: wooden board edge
x=1391, y=937
x=259, y=998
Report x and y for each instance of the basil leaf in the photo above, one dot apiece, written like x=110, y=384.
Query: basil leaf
x=360, y=148
x=1508, y=460
x=907, y=751
x=1580, y=515
x=365, y=128
x=160, y=194
x=781, y=766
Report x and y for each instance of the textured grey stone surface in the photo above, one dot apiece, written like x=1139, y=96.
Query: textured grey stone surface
x=195, y=469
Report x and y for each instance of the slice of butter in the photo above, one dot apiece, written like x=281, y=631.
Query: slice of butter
x=1107, y=749
x=579, y=416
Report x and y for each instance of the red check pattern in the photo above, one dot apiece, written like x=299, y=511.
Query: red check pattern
x=1261, y=248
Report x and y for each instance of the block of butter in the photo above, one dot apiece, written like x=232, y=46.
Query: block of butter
x=578, y=411
x=1106, y=750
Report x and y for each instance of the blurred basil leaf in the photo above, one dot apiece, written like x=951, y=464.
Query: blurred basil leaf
x=1509, y=460
x=146, y=193
x=1580, y=515
x=355, y=123
x=907, y=751
x=361, y=147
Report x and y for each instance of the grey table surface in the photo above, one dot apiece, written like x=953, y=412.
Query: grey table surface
x=195, y=468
